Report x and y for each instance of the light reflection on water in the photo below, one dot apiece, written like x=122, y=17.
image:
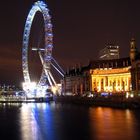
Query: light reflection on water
x=28, y=124
x=54, y=121
x=36, y=122
x=51, y=122
x=113, y=124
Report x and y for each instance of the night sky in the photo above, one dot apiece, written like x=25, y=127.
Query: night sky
x=80, y=28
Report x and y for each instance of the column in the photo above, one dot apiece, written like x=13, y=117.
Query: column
x=116, y=84
x=104, y=84
x=99, y=84
x=127, y=84
x=81, y=88
x=120, y=83
x=108, y=86
x=91, y=83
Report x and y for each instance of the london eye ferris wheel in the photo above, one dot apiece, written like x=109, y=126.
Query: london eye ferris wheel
x=45, y=52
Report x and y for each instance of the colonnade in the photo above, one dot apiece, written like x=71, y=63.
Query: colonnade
x=111, y=82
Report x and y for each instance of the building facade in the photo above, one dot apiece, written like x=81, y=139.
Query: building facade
x=112, y=75
x=109, y=52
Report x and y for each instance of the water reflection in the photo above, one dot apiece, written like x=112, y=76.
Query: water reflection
x=113, y=124
x=54, y=122
x=36, y=122
x=9, y=121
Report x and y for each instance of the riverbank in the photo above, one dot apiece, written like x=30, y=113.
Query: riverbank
x=106, y=101
x=25, y=100
x=112, y=101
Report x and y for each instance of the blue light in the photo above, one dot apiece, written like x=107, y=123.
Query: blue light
x=104, y=94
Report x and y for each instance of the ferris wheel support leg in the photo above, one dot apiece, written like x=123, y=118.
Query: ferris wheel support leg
x=48, y=77
x=58, y=65
x=50, y=74
x=41, y=58
x=57, y=70
x=46, y=71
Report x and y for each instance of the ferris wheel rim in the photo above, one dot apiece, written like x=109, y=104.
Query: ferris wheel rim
x=41, y=7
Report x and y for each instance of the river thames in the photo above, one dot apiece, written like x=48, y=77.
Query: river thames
x=56, y=121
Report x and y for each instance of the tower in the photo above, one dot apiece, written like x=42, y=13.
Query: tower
x=109, y=52
x=133, y=50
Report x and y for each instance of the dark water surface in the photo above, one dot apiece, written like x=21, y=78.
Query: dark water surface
x=44, y=121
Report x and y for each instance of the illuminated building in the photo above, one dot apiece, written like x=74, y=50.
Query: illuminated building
x=109, y=52
x=113, y=75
